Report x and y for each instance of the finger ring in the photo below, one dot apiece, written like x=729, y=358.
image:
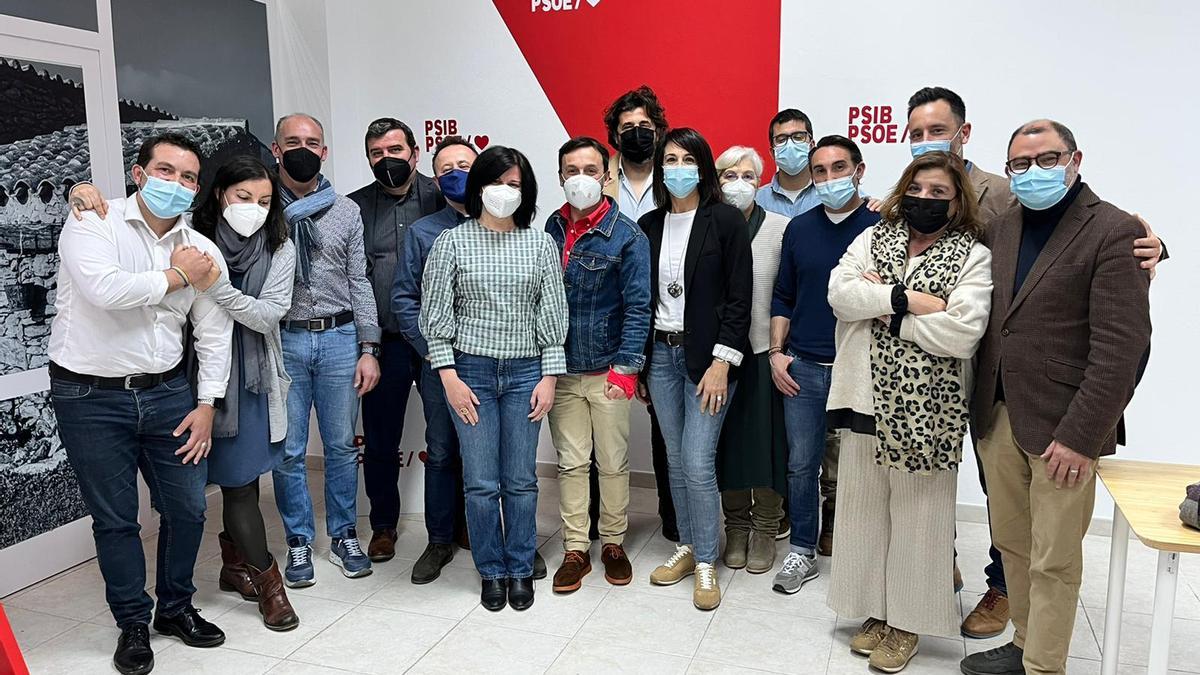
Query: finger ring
x=720, y=398
x=1073, y=471
x=462, y=411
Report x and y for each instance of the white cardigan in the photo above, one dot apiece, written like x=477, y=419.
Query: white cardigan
x=856, y=302
x=765, y=252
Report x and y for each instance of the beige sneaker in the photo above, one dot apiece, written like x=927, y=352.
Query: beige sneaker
x=678, y=566
x=707, y=594
x=895, y=651
x=869, y=636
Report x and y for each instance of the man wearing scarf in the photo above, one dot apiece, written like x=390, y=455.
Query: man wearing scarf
x=330, y=346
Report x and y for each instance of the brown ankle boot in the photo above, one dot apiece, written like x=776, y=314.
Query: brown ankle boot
x=825, y=539
x=235, y=573
x=273, y=604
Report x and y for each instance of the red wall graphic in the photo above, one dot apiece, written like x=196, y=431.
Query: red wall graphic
x=714, y=64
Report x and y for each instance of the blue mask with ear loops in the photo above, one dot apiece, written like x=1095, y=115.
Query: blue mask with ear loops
x=1038, y=189
x=165, y=198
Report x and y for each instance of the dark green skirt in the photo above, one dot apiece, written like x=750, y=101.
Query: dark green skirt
x=753, y=452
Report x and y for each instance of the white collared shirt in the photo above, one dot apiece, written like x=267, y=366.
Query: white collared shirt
x=115, y=317
x=631, y=204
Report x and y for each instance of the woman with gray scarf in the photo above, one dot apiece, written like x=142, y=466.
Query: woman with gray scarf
x=242, y=214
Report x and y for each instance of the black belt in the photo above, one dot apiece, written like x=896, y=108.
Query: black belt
x=139, y=381
x=670, y=339
x=318, y=325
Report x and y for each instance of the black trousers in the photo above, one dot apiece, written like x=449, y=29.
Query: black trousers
x=383, y=425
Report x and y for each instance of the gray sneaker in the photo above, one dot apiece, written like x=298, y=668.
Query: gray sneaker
x=796, y=570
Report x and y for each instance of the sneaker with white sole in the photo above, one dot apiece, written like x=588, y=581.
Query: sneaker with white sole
x=676, y=568
x=796, y=570
x=347, y=554
x=707, y=594
x=299, y=571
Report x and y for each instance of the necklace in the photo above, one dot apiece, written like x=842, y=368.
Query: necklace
x=674, y=289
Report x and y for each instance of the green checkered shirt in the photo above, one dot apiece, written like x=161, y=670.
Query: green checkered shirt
x=494, y=294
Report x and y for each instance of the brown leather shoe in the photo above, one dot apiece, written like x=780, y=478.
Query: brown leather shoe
x=989, y=617
x=618, y=571
x=235, y=573
x=575, y=566
x=825, y=538
x=383, y=545
x=277, y=612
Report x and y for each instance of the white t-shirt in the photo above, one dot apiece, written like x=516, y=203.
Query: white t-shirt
x=677, y=229
x=836, y=218
x=792, y=195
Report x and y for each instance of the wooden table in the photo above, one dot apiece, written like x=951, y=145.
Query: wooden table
x=1146, y=496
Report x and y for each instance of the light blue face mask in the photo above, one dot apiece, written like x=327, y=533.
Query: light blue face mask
x=681, y=181
x=1039, y=189
x=792, y=157
x=165, y=198
x=919, y=149
x=836, y=193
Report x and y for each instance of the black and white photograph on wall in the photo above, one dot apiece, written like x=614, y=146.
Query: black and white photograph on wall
x=210, y=82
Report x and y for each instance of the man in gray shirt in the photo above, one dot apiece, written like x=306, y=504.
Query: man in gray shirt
x=330, y=346
x=397, y=198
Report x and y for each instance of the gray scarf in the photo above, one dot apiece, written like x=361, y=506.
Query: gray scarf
x=249, y=259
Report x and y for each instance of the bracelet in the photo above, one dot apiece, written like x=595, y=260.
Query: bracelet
x=773, y=351
x=186, y=281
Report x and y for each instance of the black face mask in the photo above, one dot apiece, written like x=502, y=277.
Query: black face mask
x=925, y=215
x=637, y=144
x=392, y=172
x=301, y=164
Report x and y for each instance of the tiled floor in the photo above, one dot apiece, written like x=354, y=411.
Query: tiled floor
x=384, y=624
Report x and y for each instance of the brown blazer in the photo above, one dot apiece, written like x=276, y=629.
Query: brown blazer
x=992, y=192
x=1070, y=342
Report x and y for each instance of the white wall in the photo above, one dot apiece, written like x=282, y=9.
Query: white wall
x=1121, y=76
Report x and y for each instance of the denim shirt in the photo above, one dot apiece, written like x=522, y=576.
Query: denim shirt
x=608, y=293
x=406, y=288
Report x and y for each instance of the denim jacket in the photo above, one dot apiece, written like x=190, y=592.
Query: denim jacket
x=608, y=293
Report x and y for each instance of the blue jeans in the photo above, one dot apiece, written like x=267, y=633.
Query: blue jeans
x=321, y=365
x=383, y=411
x=499, y=456
x=804, y=419
x=443, y=464
x=109, y=435
x=691, y=437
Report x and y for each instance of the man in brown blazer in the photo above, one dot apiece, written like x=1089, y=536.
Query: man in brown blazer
x=1069, y=325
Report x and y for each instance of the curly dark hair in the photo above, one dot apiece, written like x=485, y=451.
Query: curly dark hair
x=642, y=97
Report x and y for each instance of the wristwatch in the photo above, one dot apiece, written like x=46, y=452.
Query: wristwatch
x=369, y=348
x=205, y=400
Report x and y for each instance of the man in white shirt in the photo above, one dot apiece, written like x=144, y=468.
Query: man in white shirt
x=120, y=388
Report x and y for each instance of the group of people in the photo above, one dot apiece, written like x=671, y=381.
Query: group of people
x=806, y=352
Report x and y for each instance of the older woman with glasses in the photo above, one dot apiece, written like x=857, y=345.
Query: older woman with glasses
x=912, y=296
x=752, y=453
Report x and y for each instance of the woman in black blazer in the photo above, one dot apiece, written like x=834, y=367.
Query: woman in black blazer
x=700, y=284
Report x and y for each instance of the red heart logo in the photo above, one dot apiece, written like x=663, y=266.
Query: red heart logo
x=423, y=456
x=481, y=141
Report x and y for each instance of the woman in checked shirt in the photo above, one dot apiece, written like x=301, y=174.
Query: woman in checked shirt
x=495, y=318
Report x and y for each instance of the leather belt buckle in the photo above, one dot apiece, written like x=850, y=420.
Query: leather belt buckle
x=316, y=324
x=139, y=381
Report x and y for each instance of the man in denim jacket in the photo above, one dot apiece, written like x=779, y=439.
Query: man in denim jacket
x=606, y=263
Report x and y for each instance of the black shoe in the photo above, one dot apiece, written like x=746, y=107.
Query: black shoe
x=189, y=627
x=1004, y=660
x=133, y=655
x=429, y=565
x=539, y=566
x=520, y=593
x=494, y=595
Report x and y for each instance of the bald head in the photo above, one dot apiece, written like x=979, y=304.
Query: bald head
x=299, y=124
x=1045, y=126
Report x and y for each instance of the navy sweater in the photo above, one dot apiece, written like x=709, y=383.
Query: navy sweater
x=812, y=246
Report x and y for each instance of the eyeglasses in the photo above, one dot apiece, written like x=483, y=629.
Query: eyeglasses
x=799, y=137
x=1046, y=160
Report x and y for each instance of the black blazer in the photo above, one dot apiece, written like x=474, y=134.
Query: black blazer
x=717, y=281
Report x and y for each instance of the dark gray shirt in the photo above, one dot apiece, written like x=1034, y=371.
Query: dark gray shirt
x=386, y=219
